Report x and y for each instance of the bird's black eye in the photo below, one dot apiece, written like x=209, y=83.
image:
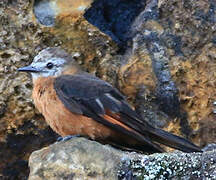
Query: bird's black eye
x=49, y=65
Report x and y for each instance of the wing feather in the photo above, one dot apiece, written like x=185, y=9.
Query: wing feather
x=97, y=99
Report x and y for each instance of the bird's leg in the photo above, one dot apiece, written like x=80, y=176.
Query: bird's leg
x=66, y=138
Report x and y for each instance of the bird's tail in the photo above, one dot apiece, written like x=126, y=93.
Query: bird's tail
x=171, y=140
x=158, y=135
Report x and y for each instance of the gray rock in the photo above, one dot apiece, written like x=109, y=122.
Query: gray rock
x=80, y=158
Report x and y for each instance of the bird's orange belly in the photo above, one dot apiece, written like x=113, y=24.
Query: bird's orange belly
x=60, y=119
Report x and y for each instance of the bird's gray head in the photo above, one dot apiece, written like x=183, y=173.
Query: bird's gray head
x=49, y=62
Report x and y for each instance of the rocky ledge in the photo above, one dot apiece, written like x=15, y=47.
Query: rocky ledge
x=80, y=158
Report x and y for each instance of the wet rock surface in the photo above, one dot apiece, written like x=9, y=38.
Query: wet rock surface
x=83, y=159
x=160, y=54
x=115, y=18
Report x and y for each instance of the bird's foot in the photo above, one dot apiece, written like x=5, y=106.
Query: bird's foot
x=66, y=138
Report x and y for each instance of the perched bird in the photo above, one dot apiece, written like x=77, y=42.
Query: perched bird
x=75, y=102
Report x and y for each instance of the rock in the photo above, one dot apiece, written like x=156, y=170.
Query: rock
x=80, y=158
x=48, y=11
x=77, y=158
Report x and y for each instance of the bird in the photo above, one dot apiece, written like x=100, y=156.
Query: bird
x=74, y=102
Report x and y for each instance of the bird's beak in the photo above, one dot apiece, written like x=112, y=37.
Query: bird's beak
x=28, y=69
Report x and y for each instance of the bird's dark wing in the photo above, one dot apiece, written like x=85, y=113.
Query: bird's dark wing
x=97, y=99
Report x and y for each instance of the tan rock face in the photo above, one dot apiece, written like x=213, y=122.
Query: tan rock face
x=194, y=74
x=196, y=80
x=164, y=63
